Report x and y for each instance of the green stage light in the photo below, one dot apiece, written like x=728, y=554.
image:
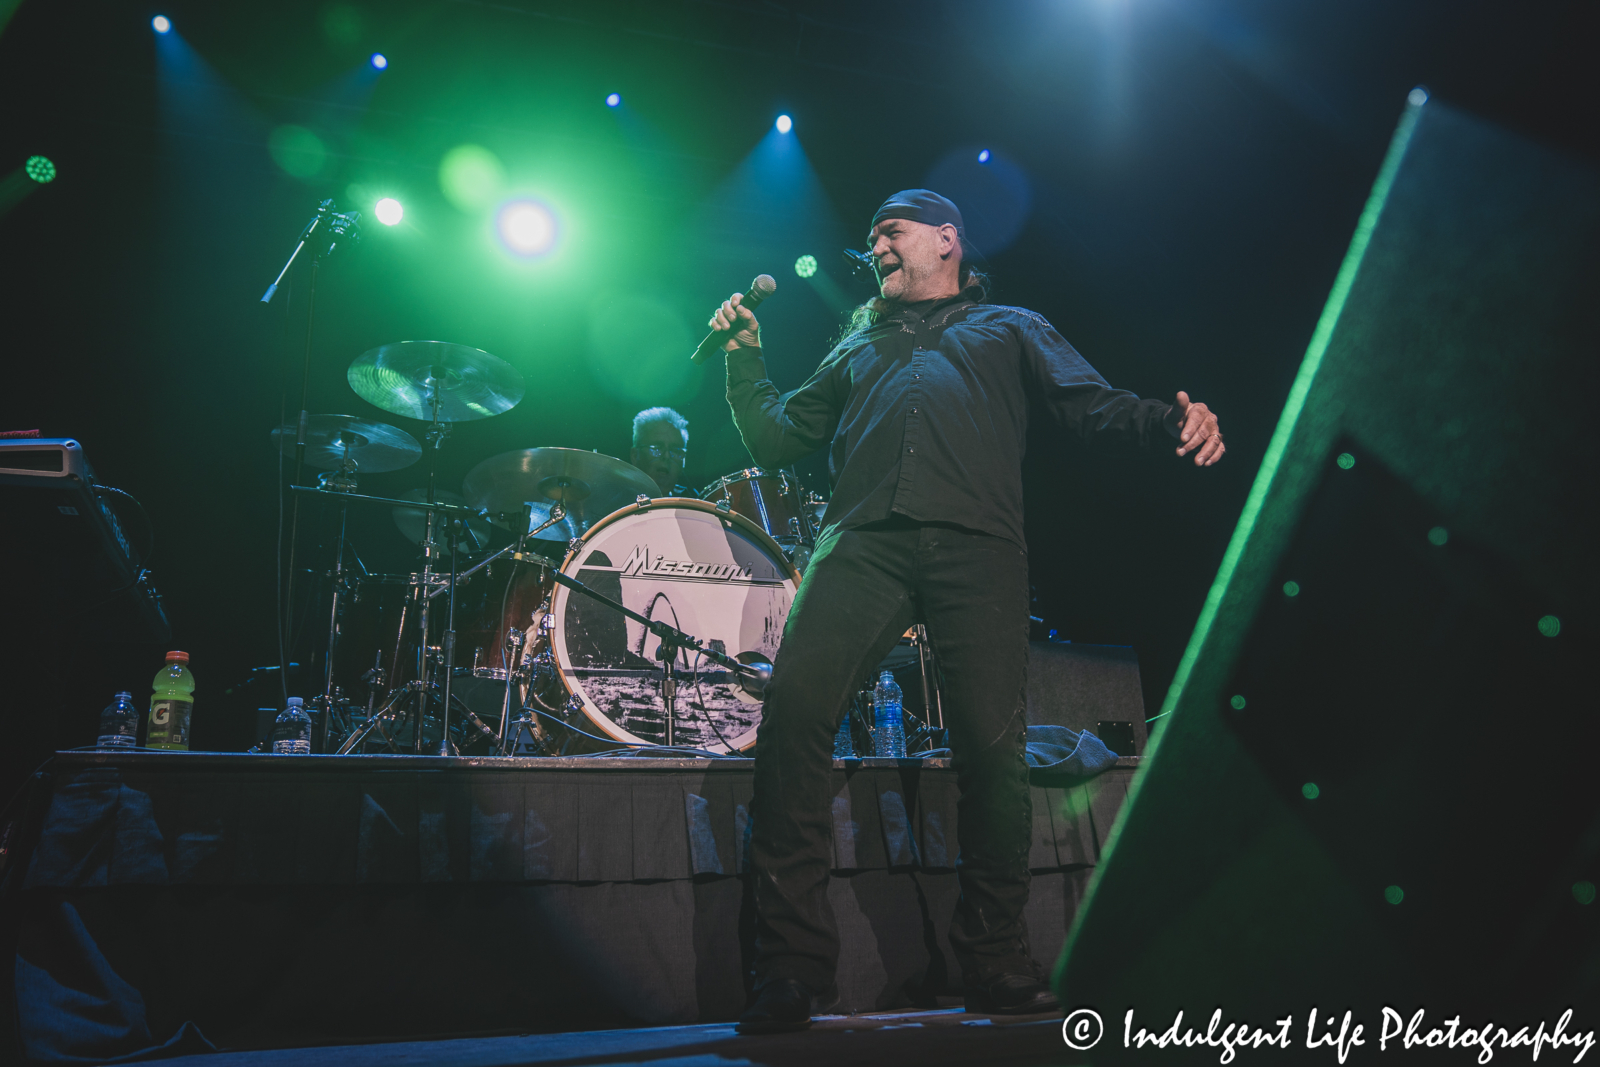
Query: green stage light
x=389, y=211
x=1583, y=892
x=1550, y=626
x=1291, y=588
x=471, y=177
x=297, y=150
x=805, y=266
x=1438, y=535
x=1394, y=894
x=1345, y=461
x=40, y=169
x=1237, y=702
x=1310, y=791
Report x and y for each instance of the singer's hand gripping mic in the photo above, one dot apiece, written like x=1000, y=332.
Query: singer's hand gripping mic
x=763, y=287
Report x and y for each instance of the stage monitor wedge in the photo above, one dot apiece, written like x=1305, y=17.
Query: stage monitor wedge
x=1372, y=782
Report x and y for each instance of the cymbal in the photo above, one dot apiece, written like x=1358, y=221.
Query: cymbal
x=407, y=379
x=413, y=522
x=375, y=447
x=590, y=486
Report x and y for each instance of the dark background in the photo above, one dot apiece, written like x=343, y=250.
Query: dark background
x=1196, y=170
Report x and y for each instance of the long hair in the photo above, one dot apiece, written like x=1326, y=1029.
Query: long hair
x=974, y=285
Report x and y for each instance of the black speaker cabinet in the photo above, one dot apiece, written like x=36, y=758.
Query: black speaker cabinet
x=1374, y=779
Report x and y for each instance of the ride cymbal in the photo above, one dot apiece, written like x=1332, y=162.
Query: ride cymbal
x=590, y=486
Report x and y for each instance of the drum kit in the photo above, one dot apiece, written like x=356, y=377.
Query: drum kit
x=612, y=618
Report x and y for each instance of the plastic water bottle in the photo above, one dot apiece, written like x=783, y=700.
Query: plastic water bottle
x=172, y=706
x=844, y=746
x=119, y=724
x=292, y=734
x=888, y=728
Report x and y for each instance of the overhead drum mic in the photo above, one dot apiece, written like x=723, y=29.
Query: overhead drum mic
x=763, y=286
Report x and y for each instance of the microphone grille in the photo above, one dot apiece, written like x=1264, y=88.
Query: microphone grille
x=764, y=284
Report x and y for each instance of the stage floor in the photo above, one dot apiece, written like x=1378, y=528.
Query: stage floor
x=325, y=900
x=919, y=1038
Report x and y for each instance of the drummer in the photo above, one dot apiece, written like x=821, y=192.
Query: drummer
x=660, y=445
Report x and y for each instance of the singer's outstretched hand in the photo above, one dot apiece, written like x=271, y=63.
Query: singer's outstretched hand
x=731, y=316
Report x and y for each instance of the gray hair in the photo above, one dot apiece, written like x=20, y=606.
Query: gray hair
x=667, y=415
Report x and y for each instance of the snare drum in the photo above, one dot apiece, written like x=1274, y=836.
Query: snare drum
x=767, y=498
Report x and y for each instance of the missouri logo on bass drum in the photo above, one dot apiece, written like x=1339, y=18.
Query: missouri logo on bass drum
x=640, y=564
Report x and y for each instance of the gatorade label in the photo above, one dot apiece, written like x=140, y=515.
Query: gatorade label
x=169, y=724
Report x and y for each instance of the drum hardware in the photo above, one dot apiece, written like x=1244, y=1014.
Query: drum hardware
x=724, y=505
x=933, y=709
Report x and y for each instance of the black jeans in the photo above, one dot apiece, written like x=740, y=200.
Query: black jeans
x=863, y=588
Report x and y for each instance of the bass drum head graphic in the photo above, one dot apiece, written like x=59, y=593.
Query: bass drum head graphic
x=711, y=574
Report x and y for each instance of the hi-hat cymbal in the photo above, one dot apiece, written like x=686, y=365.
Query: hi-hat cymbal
x=590, y=486
x=413, y=378
x=413, y=522
x=375, y=447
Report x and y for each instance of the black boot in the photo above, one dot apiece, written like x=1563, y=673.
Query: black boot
x=1010, y=994
x=782, y=1005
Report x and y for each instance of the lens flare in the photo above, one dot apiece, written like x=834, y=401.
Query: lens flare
x=527, y=228
x=389, y=211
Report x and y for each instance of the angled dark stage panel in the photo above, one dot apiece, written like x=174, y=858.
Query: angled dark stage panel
x=1373, y=782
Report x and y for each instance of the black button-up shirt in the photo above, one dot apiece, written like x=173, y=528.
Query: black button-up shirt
x=927, y=413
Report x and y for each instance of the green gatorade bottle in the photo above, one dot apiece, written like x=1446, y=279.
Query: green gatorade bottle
x=172, y=705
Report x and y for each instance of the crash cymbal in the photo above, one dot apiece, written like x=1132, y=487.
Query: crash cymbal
x=375, y=447
x=411, y=378
x=413, y=522
x=590, y=486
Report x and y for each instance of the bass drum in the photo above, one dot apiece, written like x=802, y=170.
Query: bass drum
x=711, y=573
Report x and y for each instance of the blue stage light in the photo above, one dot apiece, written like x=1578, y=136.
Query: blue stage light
x=785, y=124
x=983, y=157
x=161, y=24
x=379, y=60
x=613, y=100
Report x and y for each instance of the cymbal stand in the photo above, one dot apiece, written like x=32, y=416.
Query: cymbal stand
x=932, y=705
x=437, y=432
x=342, y=481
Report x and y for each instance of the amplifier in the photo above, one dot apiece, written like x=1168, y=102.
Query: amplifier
x=61, y=544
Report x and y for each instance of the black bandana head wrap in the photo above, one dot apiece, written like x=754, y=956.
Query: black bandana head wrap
x=925, y=206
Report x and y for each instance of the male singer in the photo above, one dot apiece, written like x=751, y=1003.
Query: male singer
x=924, y=409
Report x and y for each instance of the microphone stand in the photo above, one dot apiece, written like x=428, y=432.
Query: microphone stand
x=335, y=227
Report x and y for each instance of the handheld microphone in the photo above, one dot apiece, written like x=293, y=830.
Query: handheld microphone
x=763, y=287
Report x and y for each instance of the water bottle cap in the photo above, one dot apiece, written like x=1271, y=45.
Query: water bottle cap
x=886, y=676
x=124, y=696
x=177, y=657
x=297, y=700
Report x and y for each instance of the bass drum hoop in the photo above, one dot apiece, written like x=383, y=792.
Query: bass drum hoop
x=558, y=603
